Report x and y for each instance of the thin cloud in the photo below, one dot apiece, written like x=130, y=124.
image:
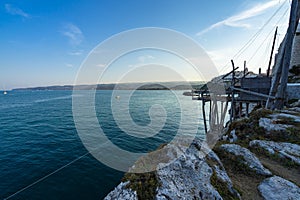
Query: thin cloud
x=69, y=65
x=76, y=53
x=146, y=57
x=101, y=65
x=238, y=19
x=16, y=11
x=73, y=33
x=141, y=60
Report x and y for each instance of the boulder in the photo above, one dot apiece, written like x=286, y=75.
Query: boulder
x=284, y=149
x=249, y=158
x=270, y=125
x=189, y=177
x=121, y=192
x=277, y=116
x=275, y=188
x=232, y=137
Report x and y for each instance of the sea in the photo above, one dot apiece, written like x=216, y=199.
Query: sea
x=43, y=157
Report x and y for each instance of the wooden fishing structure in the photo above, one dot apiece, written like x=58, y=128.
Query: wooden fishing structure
x=239, y=90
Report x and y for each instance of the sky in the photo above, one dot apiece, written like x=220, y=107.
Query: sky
x=46, y=42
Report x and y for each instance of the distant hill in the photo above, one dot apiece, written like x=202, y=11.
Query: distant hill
x=123, y=86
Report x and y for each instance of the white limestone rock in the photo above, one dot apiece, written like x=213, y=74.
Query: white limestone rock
x=275, y=188
x=284, y=149
x=249, y=158
x=186, y=178
x=277, y=116
x=189, y=176
x=295, y=109
x=232, y=137
x=270, y=125
x=296, y=104
x=121, y=192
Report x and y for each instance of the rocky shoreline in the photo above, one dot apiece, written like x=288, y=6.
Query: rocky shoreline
x=256, y=158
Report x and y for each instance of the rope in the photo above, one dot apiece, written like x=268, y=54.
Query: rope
x=253, y=38
x=259, y=47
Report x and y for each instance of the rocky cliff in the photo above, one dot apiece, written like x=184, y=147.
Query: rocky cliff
x=256, y=158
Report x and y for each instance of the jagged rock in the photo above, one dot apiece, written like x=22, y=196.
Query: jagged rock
x=285, y=115
x=186, y=178
x=222, y=174
x=189, y=177
x=225, y=137
x=270, y=125
x=273, y=122
x=275, y=188
x=296, y=104
x=296, y=109
x=249, y=158
x=290, y=111
x=232, y=137
x=121, y=192
x=284, y=149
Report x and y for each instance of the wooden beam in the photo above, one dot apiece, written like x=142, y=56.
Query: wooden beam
x=253, y=93
x=234, y=69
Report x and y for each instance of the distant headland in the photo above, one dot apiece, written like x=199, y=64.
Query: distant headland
x=122, y=86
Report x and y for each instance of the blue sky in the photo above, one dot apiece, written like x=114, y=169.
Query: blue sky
x=45, y=42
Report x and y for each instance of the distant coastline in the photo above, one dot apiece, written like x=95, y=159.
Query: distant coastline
x=121, y=86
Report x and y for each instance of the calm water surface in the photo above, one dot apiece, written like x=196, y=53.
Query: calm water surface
x=38, y=136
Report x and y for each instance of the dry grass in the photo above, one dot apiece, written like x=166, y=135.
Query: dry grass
x=144, y=184
x=243, y=178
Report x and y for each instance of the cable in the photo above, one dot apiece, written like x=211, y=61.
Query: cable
x=258, y=48
x=250, y=41
x=255, y=52
x=44, y=177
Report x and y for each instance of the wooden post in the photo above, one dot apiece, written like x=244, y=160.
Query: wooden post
x=247, y=109
x=232, y=110
x=272, y=51
x=221, y=114
x=245, y=69
x=217, y=113
x=277, y=69
x=293, y=22
x=240, y=109
x=203, y=111
x=224, y=111
x=210, y=117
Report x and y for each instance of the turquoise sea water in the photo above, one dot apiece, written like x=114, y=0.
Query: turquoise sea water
x=38, y=137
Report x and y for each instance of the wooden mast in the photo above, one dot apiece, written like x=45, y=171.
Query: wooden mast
x=272, y=51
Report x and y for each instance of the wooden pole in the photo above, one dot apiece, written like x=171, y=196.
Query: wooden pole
x=232, y=110
x=240, y=109
x=293, y=23
x=245, y=68
x=224, y=113
x=272, y=51
x=247, y=109
x=203, y=111
x=217, y=113
x=277, y=69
